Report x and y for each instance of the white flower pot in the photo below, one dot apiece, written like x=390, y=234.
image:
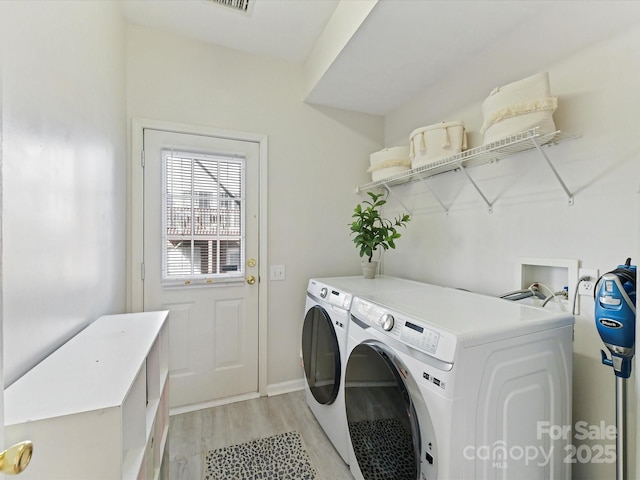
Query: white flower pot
x=369, y=269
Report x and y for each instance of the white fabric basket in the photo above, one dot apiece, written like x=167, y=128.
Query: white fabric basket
x=388, y=162
x=519, y=106
x=429, y=144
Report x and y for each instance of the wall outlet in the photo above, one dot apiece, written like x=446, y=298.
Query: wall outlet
x=277, y=272
x=586, y=287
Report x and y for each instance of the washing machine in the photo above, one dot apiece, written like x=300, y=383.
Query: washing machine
x=443, y=384
x=324, y=340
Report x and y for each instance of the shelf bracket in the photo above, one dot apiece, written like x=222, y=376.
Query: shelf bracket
x=555, y=172
x=475, y=185
x=396, y=197
x=446, y=209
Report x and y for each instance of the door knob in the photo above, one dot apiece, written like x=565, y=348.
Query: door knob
x=16, y=458
x=251, y=279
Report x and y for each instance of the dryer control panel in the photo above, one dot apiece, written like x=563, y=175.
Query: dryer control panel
x=329, y=295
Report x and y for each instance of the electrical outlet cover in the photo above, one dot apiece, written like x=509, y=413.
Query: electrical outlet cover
x=586, y=287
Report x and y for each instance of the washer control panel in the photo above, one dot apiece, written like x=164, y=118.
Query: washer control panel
x=387, y=321
x=419, y=336
x=410, y=331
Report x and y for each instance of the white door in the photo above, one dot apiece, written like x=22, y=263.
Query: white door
x=200, y=260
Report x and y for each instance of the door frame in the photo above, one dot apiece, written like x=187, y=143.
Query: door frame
x=135, y=220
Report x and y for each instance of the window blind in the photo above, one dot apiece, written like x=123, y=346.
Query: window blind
x=203, y=217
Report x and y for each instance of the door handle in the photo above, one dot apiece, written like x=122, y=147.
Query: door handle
x=251, y=279
x=16, y=458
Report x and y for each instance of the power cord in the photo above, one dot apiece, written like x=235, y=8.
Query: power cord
x=584, y=278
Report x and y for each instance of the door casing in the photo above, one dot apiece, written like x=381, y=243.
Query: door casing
x=135, y=289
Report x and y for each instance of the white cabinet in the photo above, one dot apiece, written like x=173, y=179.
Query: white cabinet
x=97, y=408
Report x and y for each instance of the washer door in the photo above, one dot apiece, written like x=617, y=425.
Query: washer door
x=383, y=424
x=321, y=355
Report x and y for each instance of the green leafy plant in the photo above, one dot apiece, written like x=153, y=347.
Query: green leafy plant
x=371, y=230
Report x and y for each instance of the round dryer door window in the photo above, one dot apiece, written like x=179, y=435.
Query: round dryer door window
x=383, y=424
x=321, y=355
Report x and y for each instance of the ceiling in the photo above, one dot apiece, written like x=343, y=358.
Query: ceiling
x=286, y=29
x=402, y=47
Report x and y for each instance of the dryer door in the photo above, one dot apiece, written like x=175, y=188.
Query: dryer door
x=381, y=413
x=321, y=355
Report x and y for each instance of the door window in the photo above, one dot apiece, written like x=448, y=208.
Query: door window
x=203, y=215
x=321, y=355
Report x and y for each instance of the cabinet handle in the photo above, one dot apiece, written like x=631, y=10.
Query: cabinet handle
x=16, y=458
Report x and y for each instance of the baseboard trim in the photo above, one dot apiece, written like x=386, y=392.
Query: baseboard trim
x=272, y=390
x=285, y=387
x=213, y=403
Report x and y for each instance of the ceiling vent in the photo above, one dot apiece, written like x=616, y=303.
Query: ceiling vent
x=238, y=5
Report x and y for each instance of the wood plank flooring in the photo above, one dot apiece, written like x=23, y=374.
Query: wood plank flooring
x=192, y=435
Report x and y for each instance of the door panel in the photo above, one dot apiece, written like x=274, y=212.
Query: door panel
x=214, y=318
x=179, y=334
x=228, y=334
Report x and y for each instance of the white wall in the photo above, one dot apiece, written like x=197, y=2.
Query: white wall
x=314, y=159
x=473, y=249
x=64, y=173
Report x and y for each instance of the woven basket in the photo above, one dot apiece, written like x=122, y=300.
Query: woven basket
x=388, y=162
x=429, y=144
x=519, y=106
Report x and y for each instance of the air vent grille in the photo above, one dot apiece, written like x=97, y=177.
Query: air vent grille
x=241, y=5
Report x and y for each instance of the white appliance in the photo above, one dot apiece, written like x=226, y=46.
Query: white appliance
x=446, y=384
x=324, y=341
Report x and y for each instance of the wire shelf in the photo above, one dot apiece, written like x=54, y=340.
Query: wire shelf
x=520, y=142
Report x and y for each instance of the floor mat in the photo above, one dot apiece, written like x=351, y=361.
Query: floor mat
x=281, y=457
x=384, y=449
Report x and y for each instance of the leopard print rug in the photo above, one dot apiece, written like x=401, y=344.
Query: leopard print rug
x=384, y=449
x=281, y=457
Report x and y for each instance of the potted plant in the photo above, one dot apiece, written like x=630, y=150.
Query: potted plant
x=372, y=230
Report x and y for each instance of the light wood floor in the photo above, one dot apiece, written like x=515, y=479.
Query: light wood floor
x=192, y=435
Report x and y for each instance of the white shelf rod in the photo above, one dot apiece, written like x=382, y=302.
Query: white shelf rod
x=397, y=197
x=486, y=200
x=446, y=209
x=555, y=172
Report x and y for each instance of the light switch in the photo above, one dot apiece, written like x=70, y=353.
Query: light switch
x=277, y=272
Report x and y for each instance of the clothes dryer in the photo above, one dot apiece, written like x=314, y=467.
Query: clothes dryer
x=446, y=384
x=324, y=341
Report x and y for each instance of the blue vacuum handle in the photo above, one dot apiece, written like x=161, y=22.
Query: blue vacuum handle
x=615, y=316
